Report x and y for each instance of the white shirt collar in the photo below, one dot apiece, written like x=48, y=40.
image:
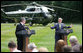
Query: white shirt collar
x=21, y=23
x=16, y=50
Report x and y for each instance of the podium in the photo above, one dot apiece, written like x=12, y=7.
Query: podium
x=25, y=44
x=25, y=35
x=64, y=33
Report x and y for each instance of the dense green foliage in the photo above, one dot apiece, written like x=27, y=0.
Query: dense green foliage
x=67, y=15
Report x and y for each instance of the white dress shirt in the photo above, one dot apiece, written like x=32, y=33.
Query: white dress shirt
x=16, y=50
x=21, y=23
x=34, y=50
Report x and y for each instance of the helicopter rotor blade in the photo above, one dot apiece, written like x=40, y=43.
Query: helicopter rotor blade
x=55, y=7
x=36, y=4
x=33, y=3
x=13, y=5
x=63, y=8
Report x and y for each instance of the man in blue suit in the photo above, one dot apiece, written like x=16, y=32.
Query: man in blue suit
x=59, y=26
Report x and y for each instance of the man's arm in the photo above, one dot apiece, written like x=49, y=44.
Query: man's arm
x=66, y=26
x=54, y=26
x=26, y=27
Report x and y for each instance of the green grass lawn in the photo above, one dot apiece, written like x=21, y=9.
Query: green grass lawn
x=44, y=35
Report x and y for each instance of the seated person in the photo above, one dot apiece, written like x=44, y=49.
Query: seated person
x=74, y=44
x=43, y=49
x=32, y=47
x=12, y=47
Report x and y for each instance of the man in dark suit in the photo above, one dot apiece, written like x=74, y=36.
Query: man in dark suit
x=21, y=26
x=59, y=26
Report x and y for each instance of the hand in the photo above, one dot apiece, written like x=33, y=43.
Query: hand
x=71, y=25
x=26, y=27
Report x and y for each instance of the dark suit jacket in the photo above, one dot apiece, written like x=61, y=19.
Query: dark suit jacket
x=20, y=27
x=20, y=38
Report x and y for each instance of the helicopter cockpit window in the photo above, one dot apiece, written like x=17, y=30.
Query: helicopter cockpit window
x=31, y=9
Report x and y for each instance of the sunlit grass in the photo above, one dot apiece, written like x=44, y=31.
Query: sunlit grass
x=44, y=35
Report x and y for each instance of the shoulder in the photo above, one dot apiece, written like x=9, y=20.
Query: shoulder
x=76, y=48
x=55, y=23
x=77, y=45
x=19, y=24
x=17, y=50
x=62, y=23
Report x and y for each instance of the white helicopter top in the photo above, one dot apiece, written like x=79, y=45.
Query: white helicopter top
x=36, y=8
x=31, y=9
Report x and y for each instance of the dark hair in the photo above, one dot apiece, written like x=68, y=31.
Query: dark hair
x=67, y=48
x=22, y=18
x=11, y=44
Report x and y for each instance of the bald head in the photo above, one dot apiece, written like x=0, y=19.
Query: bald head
x=73, y=39
x=43, y=49
x=31, y=46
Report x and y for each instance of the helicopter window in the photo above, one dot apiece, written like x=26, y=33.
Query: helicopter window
x=31, y=9
x=38, y=9
x=48, y=13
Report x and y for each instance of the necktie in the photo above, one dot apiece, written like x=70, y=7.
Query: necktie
x=59, y=26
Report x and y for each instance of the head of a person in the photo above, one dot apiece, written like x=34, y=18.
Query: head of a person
x=11, y=46
x=73, y=40
x=67, y=48
x=31, y=46
x=60, y=43
x=23, y=20
x=43, y=49
x=60, y=20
